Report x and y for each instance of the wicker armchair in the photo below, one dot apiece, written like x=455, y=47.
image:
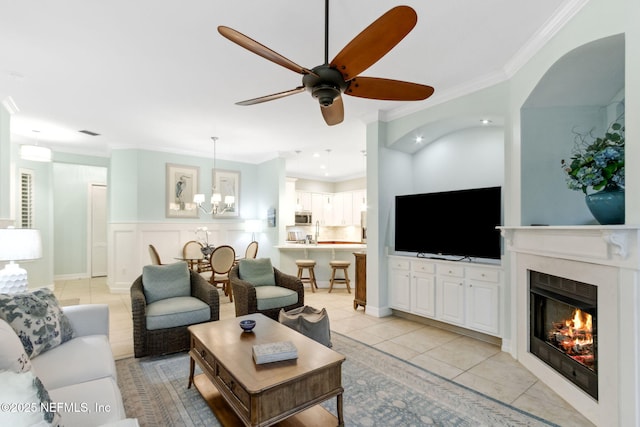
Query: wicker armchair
x=244, y=293
x=162, y=341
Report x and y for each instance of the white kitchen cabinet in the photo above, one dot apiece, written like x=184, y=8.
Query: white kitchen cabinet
x=462, y=294
x=321, y=208
x=347, y=209
x=337, y=210
x=359, y=200
x=451, y=300
x=342, y=209
x=400, y=284
x=332, y=209
x=483, y=301
x=303, y=201
x=423, y=291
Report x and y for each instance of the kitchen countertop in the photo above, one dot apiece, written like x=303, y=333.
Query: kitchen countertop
x=332, y=245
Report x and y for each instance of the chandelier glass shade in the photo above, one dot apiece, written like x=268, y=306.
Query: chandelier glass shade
x=216, y=198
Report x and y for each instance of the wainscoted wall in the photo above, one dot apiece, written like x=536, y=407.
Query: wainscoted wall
x=129, y=245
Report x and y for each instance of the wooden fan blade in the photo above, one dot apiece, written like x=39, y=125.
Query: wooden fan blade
x=259, y=49
x=271, y=97
x=334, y=113
x=386, y=89
x=375, y=41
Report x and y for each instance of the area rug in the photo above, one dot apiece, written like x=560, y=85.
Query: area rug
x=380, y=390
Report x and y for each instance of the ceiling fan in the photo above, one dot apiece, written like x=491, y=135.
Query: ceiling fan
x=327, y=82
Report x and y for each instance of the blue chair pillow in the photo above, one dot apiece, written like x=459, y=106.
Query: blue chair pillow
x=258, y=272
x=166, y=281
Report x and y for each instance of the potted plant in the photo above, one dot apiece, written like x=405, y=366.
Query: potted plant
x=597, y=169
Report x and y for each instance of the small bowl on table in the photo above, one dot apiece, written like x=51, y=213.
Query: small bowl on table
x=247, y=325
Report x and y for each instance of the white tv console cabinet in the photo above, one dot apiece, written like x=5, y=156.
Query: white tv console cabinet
x=464, y=294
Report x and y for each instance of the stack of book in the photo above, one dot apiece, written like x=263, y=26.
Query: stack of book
x=274, y=352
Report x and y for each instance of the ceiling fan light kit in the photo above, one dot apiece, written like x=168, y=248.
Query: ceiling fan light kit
x=327, y=82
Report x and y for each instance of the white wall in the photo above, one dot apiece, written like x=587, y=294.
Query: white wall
x=469, y=158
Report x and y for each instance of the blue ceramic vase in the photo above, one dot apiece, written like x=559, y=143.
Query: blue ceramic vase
x=607, y=206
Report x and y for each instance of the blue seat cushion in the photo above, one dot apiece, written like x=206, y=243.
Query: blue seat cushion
x=166, y=281
x=177, y=311
x=275, y=297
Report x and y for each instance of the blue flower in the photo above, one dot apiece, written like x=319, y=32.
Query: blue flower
x=598, y=164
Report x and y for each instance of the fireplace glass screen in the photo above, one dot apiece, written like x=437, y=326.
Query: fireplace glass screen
x=563, y=331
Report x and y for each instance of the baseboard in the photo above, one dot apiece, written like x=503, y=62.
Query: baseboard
x=75, y=276
x=120, y=288
x=448, y=327
x=377, y=311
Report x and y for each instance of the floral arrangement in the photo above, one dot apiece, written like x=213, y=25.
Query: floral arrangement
x=597, y=163
x=202, y=234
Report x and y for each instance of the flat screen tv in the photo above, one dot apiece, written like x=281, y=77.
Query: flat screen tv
x=456, y=223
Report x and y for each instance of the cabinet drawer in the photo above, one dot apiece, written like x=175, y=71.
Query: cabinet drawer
x=484, y=275
x=232, y=385
x=205, y=355
x=423, y=267
x=399, y=264
x=451, y=270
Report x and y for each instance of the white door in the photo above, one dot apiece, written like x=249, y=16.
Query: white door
x=98, y=228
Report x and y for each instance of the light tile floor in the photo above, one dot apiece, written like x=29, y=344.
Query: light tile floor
x=473, y=363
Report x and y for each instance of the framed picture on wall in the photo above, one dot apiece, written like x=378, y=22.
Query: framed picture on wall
x=227, y=184
x=182, y=184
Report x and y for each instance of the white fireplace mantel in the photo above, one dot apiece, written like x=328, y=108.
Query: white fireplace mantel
x=609, y=258
x=613, y=245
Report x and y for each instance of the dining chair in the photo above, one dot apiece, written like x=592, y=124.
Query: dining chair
x=153, y=253
x=192, y=254
x=222, y=259
x=251, y=252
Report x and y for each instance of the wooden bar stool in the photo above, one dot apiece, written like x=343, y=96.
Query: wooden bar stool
x=308, y=264
x=339, y=265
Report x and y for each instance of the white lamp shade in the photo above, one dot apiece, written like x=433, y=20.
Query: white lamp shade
x=19, y=244
x=198, y=198
x=229, y=200
x=253, y=226
x=35, y=153
x=216, y=198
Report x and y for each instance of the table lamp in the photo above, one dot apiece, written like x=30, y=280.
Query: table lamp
x=17, y=244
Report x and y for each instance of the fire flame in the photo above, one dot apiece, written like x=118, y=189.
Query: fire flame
x=575, y=337
x=579, y=328
x=581, y=322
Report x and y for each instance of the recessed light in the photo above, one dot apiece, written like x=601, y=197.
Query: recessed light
x=418, y=139
x=485, y=121
x=316, y=155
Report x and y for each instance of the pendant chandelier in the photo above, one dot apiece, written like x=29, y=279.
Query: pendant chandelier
x=216, y=197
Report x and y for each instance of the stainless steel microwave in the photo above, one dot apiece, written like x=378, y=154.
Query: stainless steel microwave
x=303, y=218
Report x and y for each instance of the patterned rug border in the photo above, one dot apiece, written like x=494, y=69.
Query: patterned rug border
x=155, y=392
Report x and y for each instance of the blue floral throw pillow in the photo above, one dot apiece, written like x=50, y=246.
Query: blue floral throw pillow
x=37, y=319
x=25, y=401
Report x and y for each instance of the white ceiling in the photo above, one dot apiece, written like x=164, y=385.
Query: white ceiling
x=155, y=74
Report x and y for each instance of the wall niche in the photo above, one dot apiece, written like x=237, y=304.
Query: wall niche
x=583, y=90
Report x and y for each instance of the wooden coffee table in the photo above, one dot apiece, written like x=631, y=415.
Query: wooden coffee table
x=286, y=392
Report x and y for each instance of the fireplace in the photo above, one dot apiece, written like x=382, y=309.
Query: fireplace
x=563, y=328
x=607, y=257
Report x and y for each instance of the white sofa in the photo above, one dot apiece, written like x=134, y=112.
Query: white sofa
x=80, y=374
